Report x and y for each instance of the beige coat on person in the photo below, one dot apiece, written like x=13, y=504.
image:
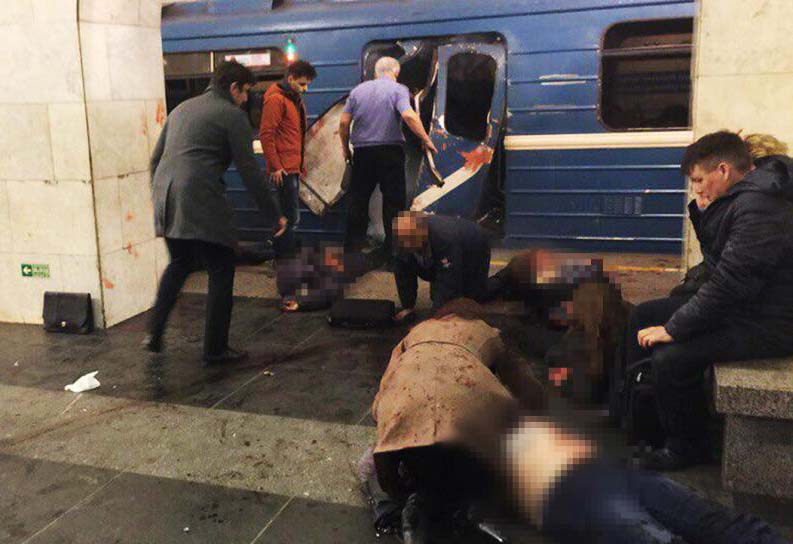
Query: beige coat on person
x=439, y=387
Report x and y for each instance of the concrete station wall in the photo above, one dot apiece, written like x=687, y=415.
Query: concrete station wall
x=81, y=106
x=743, y=74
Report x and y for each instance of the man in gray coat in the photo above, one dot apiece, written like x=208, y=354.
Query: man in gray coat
x=200, y=139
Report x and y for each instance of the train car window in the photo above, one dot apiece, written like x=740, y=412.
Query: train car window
x=187, y=64
x=268, y=61
x=186, y=75
x=189, y=74
x=470, y=86
x=646, y=75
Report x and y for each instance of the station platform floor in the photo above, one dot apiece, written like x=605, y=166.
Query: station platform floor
x=168, y=451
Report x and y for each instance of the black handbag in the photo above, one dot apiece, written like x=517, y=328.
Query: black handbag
x=355, y=313
x=68, y=312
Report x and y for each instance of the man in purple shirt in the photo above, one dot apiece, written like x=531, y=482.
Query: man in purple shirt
x=376, y=109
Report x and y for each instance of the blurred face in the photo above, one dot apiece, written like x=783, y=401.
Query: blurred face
x=239, y=94
x=298, y=84
x=708, y=186
x=410, y=234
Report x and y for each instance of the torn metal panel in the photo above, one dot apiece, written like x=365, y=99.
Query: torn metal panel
x=324, y=161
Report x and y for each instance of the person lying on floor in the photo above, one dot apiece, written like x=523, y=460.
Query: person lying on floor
x=315, y=277
x=575, y=293
x=451, y=426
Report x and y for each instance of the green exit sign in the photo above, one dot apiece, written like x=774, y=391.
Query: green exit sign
x=35, y=270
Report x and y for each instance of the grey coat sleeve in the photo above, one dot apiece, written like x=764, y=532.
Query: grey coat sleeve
x=239, y=134
x=156, y=155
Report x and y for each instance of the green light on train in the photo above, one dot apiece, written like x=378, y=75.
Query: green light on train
x=291, y=51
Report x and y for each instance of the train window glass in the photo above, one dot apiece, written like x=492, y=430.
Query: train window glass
x=186, y=64
x=265, y=61
x=646, y=75
x=180, y=89
x=469, y=94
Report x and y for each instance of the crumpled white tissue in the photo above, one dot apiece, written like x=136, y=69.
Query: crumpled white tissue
x=84, y=383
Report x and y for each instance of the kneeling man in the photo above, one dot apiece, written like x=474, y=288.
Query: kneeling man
x=451, y=253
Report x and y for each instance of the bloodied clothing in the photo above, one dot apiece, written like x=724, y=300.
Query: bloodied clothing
x=440, y=388
x=455, y=260
x=313, y=284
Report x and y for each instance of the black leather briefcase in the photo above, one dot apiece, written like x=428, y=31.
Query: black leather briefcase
x=68, y=312
x=356, y=313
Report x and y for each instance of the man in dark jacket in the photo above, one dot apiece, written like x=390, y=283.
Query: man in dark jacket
x=200, y=139
x=451, y=253
x=745, y=308
x=282, y=132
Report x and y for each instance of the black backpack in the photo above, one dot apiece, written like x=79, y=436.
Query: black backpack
x=633, y=406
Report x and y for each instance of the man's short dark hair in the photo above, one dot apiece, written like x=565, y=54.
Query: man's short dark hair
x=229, y=72
x=301, y=68
x=711, y=149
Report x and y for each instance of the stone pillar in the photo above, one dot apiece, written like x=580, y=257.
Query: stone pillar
x=742, y=74
x=124, y=97
x=81, y=105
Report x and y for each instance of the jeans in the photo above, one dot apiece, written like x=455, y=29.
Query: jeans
x=383, y=164
x=289, y=199
x=188, y=256
x=603, y=504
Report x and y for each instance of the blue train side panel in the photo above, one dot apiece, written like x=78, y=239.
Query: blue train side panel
x=585, y=199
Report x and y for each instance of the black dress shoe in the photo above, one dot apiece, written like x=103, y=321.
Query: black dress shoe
x=152, y=343
x=665, y=460
x=228, y=356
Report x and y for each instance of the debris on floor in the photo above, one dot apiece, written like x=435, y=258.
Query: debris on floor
x=84, y=383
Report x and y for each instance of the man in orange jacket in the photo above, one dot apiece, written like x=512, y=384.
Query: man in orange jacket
x=282, y=134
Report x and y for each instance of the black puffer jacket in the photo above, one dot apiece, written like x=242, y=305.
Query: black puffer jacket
x=749, y=231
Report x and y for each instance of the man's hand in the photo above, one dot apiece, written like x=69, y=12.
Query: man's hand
x=405, y=315
x=282, y=222
x=653, y=335
x=345, y=149
x=277, y=177
x=429, y=146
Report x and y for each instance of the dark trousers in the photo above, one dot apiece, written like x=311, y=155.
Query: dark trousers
x=608, y=505
x=188, y=256
x=288, y=196
x=679, y=368
x=383, y=164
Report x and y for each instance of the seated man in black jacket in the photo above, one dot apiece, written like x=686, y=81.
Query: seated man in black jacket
x=451, y=253
x=744, y=309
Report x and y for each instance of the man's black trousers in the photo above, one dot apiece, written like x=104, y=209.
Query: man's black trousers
x=679, y=368
x=188, y=256
x=383, y=164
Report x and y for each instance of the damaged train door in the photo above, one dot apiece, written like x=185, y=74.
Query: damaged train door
x=458, y=86
x=466, y=128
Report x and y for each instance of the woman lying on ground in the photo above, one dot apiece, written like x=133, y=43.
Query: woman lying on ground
x=452, y=426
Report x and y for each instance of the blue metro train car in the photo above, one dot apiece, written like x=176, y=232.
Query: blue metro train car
x=562, y=122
